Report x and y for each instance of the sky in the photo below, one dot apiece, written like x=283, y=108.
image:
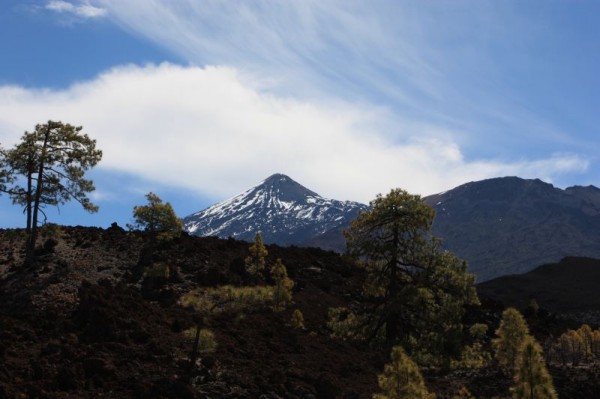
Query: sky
x=198, y=100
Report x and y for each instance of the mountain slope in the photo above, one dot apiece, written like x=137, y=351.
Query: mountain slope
x=510, y=225
x=569, y=286
x=283, y=210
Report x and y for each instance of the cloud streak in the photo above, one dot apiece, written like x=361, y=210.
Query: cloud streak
x=82, y=10
x=214, y=130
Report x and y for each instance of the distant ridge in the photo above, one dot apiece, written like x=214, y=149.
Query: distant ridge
x=511, y=225
x=283, y=210
x=568, y=286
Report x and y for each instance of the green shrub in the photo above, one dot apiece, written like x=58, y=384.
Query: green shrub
x=345, y=324
x=207, y=343
x=157, y=270
x=227, y=298
x=298, y=319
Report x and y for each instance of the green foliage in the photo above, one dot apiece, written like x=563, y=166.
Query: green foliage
x=571, y=348
x=158, y=218
x=52, y=230
x=596, y=344
x=511, y=333
x=415, y=292
x=581, y=346
x=207, y=343
x=532, y=380
x=346, y=324
x=474, y=356
x=282, y=291
x=47, y=168
x=157, y=270
x=255, y=262
x=214, y=300
x=401, y=379
x=478, y=331
x=463, y=393
x=586, y=334
x=298, y=319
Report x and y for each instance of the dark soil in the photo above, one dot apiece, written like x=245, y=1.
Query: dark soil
x=85, y=323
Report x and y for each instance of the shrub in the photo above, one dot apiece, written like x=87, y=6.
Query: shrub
x=402, y=379
x=345, y=324
x=157, y=270
x=298, y=319
x=214, y=300
x=207, y=342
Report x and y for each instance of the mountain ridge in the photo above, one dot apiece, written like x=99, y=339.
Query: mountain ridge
x=510, y=225
x=284, y=211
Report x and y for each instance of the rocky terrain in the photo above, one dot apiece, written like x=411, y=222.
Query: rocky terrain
x=500, y=226
x=86, y=322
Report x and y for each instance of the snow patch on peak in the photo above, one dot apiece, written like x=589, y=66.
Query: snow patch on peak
x=282, y=209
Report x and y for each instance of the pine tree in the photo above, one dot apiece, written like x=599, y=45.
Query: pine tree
x=255, y=262
x=401, y=379
x=587, y=337
x=532, y=380
x=157, y=218
x=282, y=292
x=415, y=292
x=511, y=333
x=51, y=161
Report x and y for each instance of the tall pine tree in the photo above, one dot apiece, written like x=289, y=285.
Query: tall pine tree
x=532, y=380
x=509, y=337
x=415, y=292
x=51, y=162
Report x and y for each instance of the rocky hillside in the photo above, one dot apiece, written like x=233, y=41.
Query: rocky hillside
x=89, y=320
x=510, y=225
x=568, y=287
x=283, y=210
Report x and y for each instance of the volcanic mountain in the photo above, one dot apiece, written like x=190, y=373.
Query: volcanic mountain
x=511, y=225
x=284, y=211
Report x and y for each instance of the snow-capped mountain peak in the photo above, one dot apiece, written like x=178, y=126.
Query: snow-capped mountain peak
x=282, y=209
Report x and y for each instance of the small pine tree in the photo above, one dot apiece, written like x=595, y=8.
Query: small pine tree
x=255, y=262
x=157, y=218
x=282, y=293
x=401, y=379
x=513, y=329
x=298, y=319
x=587, y=337
x=532, y=380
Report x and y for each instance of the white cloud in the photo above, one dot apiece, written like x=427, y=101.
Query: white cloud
x=84, y=10
x=212, y=130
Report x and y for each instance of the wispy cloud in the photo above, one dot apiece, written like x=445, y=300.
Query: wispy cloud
x=215, y=131
x=81, y=9
x=466, y=67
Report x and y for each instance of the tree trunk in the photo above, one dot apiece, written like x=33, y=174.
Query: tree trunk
x=30, y=252
x=29, y=198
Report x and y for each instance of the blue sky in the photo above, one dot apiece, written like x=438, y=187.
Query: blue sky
x=199, y=100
